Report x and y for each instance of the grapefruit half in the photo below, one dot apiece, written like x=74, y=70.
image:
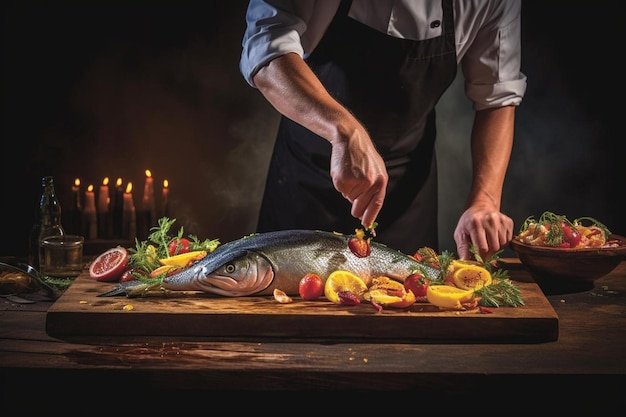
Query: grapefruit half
x=109, y=265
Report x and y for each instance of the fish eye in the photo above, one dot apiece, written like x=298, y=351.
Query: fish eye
x=230, y=268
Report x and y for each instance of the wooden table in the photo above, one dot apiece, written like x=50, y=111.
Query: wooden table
x=584, y=370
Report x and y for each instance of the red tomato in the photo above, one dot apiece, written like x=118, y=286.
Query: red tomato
x=178, y=246
x=417, y=284
x=571, y=235
x=311, y=287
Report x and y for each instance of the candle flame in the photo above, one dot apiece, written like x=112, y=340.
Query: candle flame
x=148, y=173
x=90, y=188
x=118, y=183
x=77, y=182
x=166, y=183
x=105, y=181
x=129, y=187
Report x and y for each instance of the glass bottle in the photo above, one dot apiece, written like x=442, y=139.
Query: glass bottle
x=47, y=221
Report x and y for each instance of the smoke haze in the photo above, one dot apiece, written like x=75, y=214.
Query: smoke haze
x=157, y=87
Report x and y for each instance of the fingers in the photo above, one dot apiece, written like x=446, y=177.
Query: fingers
x=365, y=193
x=488, y=232
x=463, y=248
x=367, y=205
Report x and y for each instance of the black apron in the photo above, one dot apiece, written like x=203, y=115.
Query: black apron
x=392, y=86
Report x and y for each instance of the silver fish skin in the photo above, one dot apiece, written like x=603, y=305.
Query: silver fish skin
x=259, y=263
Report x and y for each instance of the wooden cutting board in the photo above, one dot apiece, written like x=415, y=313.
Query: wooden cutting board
x=79, y=312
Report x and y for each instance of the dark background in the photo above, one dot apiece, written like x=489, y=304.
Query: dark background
x=109, y=89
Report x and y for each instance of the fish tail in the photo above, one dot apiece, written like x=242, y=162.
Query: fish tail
x=131, y=289
x=119, y=290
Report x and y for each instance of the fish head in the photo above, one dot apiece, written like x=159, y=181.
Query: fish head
x=246, y=274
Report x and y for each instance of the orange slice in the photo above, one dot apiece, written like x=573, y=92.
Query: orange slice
x=341, y=280
x=165, y=269
x=447, y=296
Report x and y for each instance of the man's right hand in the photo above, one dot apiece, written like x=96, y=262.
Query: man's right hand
x=358, y=171
x=359, y=174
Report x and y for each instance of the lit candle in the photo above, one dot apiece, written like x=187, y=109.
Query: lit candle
x=129, y=224
x=164, y=199
x=90, y=214
x=77, y=209
x=76, y=194
x=76, y=186
x=148, y=205
x=103, y=196
x=118, y=208
x=103, y=208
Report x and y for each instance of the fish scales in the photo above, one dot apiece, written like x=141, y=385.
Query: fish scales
x=259, y=263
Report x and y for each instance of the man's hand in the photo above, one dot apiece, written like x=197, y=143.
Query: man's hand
x=358, y=171
x=486, y=228
x=359, y=174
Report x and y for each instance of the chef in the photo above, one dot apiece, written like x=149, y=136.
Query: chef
x=357, y=84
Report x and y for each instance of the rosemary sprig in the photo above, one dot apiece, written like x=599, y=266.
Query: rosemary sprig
x=160, y=236
x=208, y=245
x=143, y=256
x=500, y=292
x=146, y=254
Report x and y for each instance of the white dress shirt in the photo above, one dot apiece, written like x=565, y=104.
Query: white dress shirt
x=487, y=34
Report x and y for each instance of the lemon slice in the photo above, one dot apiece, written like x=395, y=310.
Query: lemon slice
x=469, y=276
x=382, y=297
x=386, y=283
x=343, y=281
x=447, y=296
x=184, y=258
x=388, y=292
x=151, y=255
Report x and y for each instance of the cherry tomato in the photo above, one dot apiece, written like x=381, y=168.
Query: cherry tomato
x=311, y=287
x=571, y=235
x=178, y=246
x=417, y=284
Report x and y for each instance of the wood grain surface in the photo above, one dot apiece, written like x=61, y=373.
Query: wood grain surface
x=80, y=312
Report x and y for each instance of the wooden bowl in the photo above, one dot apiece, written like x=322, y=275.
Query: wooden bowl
x=563, y=270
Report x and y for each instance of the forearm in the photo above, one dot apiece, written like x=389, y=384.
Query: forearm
x=358, y=172
x=492, y=142
x=293, y=89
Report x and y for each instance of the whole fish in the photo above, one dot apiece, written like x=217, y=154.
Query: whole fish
x=259, y=263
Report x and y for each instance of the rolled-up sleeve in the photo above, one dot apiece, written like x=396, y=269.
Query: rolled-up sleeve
x=492, y=64
x=272, y=30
